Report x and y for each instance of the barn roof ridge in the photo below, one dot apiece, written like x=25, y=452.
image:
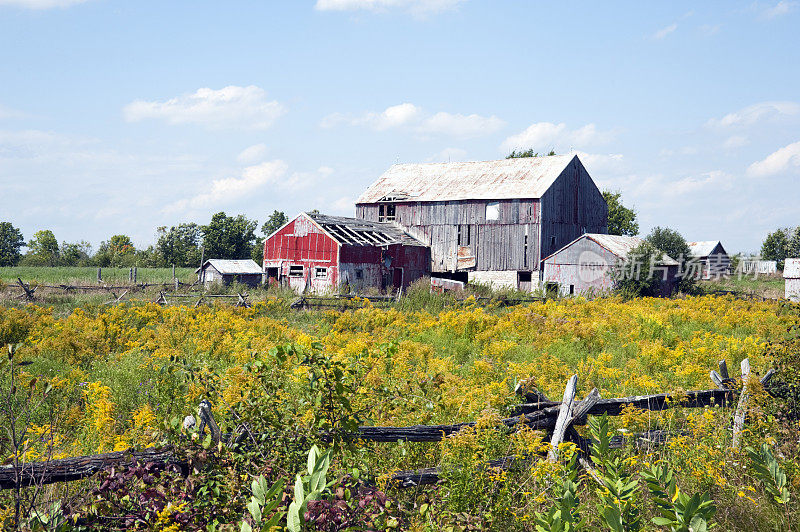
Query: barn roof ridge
x=619, y=245
x=516, y=178
x=232, y=266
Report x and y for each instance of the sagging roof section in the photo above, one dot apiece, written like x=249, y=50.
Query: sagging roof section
x=355, y=232
x=704, y=248
x=525, y=177
x=232, y=267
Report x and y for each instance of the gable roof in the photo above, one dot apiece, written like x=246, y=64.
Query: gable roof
x=356, y=232
x=618, y=245
x=525, y=177
x=704, y=248
x=232, y=267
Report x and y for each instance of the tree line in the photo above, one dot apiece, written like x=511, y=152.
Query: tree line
x=182, y=245
x=781, y=244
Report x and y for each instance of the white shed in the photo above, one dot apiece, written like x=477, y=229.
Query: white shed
x=714, y=260
x=791, y=274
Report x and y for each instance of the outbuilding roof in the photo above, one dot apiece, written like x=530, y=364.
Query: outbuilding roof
x=524, y=177
x=618, y=245
x=703, y=248
x=356, y=232
x=231, y=267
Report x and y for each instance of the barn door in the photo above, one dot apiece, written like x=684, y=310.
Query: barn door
x=397, y=280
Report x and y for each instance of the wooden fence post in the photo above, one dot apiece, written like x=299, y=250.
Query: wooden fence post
x=135, y=272
x=564, y=416
x=99, y=275
x=741, y=408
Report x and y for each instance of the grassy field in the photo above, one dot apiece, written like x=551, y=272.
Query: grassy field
x=768, y=286
x=88, y=275
x=126, y=375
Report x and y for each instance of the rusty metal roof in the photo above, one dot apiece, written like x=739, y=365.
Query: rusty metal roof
x=618, y=245
x=357, y=232
x=232, y=267
x=525, y=177
x=703, y=248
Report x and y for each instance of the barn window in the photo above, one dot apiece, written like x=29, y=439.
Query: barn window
x=359, y=273
x=296, y=271
x=464, y=234
x=493, y=210
x=571, y=289
x=386, y=212
x=552, y=242
x=525, y=251
x=321, y=273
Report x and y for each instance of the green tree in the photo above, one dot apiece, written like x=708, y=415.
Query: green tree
x=621, y=220
x=776, y=247
x=527, y=153
x=43, y=249
x=228, y=237
x=11, y=243
x=794, y=243
x=633, y=277
x=674, y=245
x=179, y=245
x=275, y=221
x=75, y=253
x=117, y=251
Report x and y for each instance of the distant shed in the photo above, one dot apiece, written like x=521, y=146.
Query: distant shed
x=227, y=271
x=714, y=260
x=791, y=274
x=585, y=266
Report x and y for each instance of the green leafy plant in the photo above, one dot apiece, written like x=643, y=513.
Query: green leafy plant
x=265, y=501
x=678, y=510
x=769, y=471
x=563, y=516
x=309, y=487
x=618, y=489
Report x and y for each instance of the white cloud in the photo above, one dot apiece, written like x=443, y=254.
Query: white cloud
x=693, y=184
x=544, y=136
x=600, y=163
x=409, y=115
x=663, y=32
x=228, y=189
x=710, y=29
x=40, y=4
x=735, y=141
x=418, y=7
x=252, y=154
x=781, y=8
x=755, y=113
x=229, y=107
x=459, y=125
x=777, y=162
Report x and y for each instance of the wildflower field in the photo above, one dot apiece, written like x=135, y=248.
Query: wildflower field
x=105, y=378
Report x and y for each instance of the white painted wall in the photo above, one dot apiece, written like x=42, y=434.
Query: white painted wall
x=495, y=279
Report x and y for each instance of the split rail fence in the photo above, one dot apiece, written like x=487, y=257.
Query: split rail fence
x=537, y=412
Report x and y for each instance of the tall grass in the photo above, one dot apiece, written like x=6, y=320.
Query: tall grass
x=84, y=275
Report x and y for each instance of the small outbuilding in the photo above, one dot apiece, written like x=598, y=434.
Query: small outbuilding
x=320, y=253
x=586, y=265
x=226, y=271
x=791, y=275
x=712, y=259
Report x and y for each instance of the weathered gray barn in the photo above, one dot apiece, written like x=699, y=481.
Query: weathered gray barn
x=489, y=221
x=791, y=275
x=227, y=271
x=712, y=258
x=586, y=265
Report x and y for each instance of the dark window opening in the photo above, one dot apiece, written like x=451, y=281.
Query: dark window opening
x=295, y=271
x=321, y=273
x=386, y=212
x=525, y=253
x=359, y=273
x=551, y=289
x=571, y=289
x=464, y=234
x=552, y=243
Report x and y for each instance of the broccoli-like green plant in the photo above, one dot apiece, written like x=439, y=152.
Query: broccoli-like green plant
x=770, y=473
x=309, y=487
x=679, y=511
x=263, y=502
x=618, y=490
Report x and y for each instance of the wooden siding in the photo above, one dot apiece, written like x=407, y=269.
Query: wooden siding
x=572, y=206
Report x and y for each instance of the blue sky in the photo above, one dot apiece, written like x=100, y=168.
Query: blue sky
x=119, y=117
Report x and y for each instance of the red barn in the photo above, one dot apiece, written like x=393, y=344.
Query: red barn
x=328, y=253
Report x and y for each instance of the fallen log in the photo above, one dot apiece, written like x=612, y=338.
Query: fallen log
x=67, y=469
